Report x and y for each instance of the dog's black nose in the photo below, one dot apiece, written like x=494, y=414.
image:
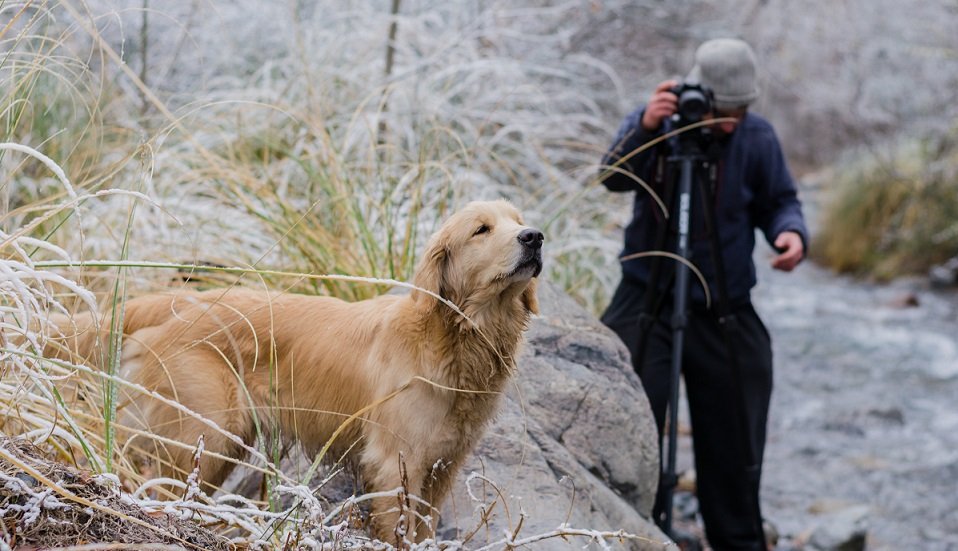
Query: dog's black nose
x=531, y=238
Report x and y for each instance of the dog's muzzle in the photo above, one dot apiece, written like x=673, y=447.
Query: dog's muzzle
x=531, y=241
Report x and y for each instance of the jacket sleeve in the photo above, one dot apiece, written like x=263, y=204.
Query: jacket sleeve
x=779, y=208
x=621, y=165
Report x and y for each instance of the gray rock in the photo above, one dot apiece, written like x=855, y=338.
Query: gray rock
x=842, y=530
x=944, y=275
x=574, y=443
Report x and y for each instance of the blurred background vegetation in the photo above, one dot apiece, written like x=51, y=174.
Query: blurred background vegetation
x=893, y=216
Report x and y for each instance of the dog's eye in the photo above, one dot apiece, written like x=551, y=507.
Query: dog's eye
x=482, y=229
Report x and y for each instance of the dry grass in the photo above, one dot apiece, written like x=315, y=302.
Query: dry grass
x=896, y=216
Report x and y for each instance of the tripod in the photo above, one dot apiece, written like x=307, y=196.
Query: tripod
x=695, y=158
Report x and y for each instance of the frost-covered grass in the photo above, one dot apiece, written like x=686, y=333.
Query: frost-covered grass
x=306, y=156
x=266, y=145
x=53, y=506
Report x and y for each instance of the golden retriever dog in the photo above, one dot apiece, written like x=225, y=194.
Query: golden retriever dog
x=420, y=379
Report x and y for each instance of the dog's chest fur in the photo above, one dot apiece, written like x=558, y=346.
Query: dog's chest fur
x=482, y=362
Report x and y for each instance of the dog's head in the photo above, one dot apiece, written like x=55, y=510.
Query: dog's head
x=482, y=256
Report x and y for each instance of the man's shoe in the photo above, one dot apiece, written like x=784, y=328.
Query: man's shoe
x=686, y=541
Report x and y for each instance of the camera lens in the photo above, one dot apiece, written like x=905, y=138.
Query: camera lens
x=693, y=105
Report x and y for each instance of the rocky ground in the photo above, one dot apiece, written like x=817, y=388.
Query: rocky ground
x=863, y=410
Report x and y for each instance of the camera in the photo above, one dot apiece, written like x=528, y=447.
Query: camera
x=695, y=101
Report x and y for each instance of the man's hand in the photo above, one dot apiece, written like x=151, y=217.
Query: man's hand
x=791, y=251
x=662, y=104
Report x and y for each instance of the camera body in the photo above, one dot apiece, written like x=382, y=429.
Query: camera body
x=695, y=100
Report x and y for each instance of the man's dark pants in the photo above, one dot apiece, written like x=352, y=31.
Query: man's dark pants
x=727, y=499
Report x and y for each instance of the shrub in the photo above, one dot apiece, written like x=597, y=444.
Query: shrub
x=894, y=217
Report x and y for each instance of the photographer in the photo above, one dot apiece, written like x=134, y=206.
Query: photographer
x=752, y=189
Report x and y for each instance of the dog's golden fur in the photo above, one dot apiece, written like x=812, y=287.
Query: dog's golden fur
x=311, y=362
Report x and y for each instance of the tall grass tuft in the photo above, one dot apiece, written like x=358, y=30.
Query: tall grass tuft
x=895, y=216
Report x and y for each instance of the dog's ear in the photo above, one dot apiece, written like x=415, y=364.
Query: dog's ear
x=429, y=274
x=529, y=298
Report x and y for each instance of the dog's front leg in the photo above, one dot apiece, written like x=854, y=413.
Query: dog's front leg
x=394, y=518
x=438, y=482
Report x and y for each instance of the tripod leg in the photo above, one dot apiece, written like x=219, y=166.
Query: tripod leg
x=679, y=323
x=652, y=300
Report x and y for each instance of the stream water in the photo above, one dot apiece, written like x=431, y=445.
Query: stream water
x=865, y=406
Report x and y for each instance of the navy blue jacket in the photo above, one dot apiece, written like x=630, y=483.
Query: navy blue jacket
x=754, y=189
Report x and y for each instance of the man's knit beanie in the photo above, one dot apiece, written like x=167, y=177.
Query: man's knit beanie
x=727, y=66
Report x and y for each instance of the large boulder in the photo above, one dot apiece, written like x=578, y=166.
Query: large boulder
x=574, y=444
